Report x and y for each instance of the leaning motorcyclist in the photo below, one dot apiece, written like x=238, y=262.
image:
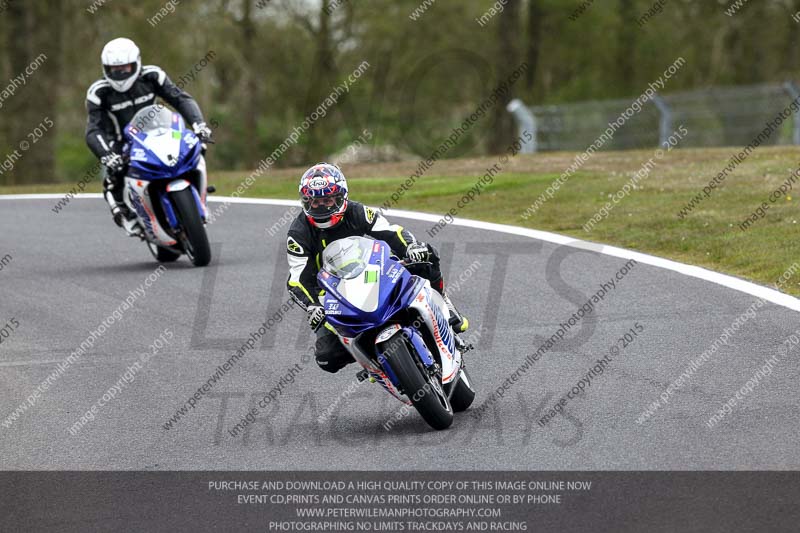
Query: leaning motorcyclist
x=327, y=216
x=111, y=102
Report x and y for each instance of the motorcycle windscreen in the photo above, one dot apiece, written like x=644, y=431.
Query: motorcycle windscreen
x=161, y=146
x=359, y=296
x=347, y=258
x=153, y=120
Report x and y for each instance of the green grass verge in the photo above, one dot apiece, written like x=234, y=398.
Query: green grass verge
x=646, y=220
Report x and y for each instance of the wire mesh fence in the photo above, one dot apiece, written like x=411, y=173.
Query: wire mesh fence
x=722, y=116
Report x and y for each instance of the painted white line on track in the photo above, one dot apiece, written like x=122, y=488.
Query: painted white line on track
x=32, y=362
x=731, y=282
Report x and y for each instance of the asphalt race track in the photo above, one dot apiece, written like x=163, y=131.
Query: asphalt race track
x=70, y=271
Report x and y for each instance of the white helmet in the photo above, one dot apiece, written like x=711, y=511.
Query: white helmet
x=122, y=63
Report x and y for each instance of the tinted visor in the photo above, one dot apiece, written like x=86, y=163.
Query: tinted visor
x=322, y=207
x=119, y=72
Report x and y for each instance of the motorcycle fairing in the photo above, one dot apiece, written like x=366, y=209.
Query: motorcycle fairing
x=138, y=199
x=162, y=148
x=373, y=292
x=431, y=307
x=368, y=300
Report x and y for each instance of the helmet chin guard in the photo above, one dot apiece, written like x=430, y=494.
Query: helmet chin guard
x=330, y=222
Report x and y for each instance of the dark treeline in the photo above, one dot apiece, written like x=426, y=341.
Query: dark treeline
x=259, y=67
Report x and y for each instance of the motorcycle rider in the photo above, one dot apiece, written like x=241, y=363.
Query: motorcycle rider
x=327, y=216
x=111, y=103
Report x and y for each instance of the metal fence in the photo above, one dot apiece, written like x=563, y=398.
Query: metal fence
x=723, y=116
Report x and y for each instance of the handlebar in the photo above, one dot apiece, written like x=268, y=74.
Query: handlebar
x=406, y=262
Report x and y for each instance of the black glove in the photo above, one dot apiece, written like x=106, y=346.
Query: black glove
x=418, y=252
x=113, y=162
x=316, y=316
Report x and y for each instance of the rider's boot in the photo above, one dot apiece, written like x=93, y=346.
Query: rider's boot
x=458, y=322
x=123, y=217
x=132, y=227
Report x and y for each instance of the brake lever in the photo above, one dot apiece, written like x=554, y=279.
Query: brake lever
x=408, y=263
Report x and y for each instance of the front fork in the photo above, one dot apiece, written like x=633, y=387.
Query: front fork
x=390, y=334
x=199, y=193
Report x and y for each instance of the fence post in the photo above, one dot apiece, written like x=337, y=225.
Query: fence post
x=794, y=91
x=664, y=120
x=526, y=121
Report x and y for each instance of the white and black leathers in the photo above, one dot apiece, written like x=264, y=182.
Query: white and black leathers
x=109, y=110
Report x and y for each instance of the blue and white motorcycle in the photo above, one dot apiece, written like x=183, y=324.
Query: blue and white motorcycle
x=166, y=185
x=396, y=326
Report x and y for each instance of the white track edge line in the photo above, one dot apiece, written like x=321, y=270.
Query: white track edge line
x=731, y=282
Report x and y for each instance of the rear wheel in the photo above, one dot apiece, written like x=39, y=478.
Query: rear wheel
x=463, y=395
x=162, y=255
x=193, y=238
x=424, y=391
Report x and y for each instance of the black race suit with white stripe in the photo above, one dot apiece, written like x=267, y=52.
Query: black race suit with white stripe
x=304, y=245
x=109, y=111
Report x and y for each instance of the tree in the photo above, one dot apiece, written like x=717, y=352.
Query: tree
x=33, y=43
x=535, y=18
x=626, y=46
x=507, y=61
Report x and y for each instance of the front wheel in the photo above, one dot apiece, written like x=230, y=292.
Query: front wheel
x=193, y=238
x=424, y=391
